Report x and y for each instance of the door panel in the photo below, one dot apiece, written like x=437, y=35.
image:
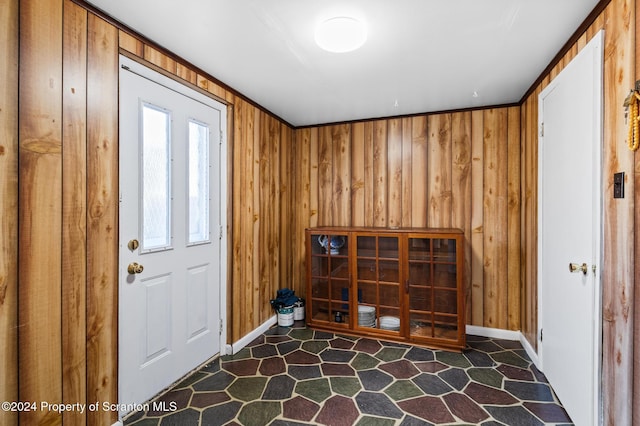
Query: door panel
x=570, y=147
x=157, y=316
x=171, y=200
x=197, y=278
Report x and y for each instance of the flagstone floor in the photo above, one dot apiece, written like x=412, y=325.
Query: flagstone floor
x=298, y=376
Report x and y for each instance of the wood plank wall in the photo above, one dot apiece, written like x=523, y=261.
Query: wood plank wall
x=454, y=169
x=102, y=215
x=9, y=50
x=618, y=20
x=67, y=233
x=40, y=207
x=261, y=244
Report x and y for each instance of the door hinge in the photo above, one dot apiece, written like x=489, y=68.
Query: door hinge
x=221, y=326
x=541, y=334
x=220, y=140
x=221, y=232
x=542, y=129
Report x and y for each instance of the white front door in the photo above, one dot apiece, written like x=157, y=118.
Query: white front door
x=569, y=232
x=171, y=205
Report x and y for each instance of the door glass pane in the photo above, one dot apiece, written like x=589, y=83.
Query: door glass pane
x=198, y=183
x=156, y=177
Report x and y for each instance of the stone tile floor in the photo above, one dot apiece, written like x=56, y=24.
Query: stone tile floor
x=298, y=376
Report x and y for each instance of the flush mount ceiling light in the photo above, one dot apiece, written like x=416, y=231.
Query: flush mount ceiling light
x=341, y=34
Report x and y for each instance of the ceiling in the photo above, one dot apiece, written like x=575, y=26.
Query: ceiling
x=420, y=55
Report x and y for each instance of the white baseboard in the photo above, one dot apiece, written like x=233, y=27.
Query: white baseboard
x=530, y=351
x=496, y=333
x=244, y=341
x=118, y=423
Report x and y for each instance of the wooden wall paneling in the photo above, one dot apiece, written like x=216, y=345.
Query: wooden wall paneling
x=358, y=187
x=379, y=169
x=188, y=75
x=9, y=42
x=74, y=211
x=241, y=212
x=439, y=171
x=314, y=176
x=475, y=301
x=204, y=83
x=407, y=141
x=555, y=71
x=265, y=231
x=283, y=232
x=533, y=215
x=231, y=222
x=130, y=44
x=273, y=219
x=298, y=204
x=597, y=25
x=229, y=96
x=529, y=214
x=280, y=203
x=461, y=196
x=40, y=207
x=514, y=285
x=286, y=233
x=246, y=176
x=618, y=238
x=582, y=42
x=568, y=57
x=419, y=171
x=369, y=178
x=159, y=59
x=495, y=217
x=254, y=243
x=325, y=176
x=102, y=223
x=341, y=179
x=301, y=202
x=234, y=270
x=395, y=202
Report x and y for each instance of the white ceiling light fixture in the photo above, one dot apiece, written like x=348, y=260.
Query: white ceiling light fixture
x=341, y=34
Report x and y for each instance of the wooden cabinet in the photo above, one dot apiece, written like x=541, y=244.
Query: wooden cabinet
x=396, y=284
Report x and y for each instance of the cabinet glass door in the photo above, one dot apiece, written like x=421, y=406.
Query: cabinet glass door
x=329, y=299
x=432, y=288
x=378, y=282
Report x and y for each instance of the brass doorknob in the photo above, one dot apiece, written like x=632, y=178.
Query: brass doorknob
x=135, y=268
x=574, y=267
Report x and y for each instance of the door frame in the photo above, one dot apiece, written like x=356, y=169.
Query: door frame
x=165, y=79
x=597, y=144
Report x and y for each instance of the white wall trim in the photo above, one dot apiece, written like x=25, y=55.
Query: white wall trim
x=497, y=333
x=530, y=351
x=235, y=347
x=494, y=333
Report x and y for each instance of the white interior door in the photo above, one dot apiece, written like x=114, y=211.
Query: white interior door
x=569, y=231
x=171, y=200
